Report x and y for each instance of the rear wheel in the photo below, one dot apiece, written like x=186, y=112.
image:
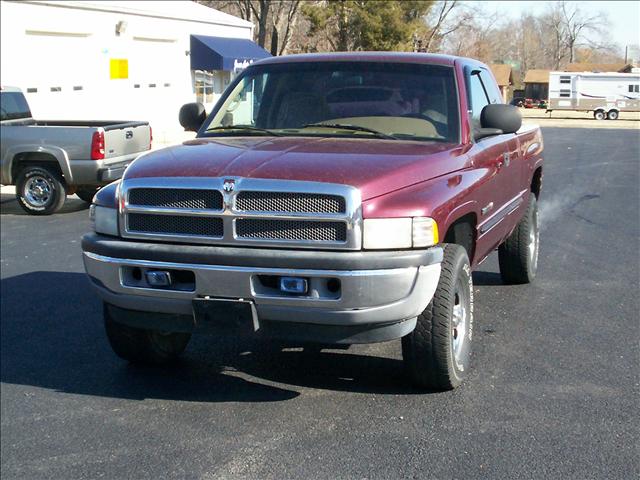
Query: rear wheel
x=40, y=190
x=612, y=115
x=138, y=345
x=599, y=115
x=86, y=193
x=437, y=354
x=518, y=255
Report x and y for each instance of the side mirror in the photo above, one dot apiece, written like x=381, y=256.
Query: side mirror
x=192, y=116
x=498, y=118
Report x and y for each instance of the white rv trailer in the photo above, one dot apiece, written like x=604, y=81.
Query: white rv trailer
x=605, y=94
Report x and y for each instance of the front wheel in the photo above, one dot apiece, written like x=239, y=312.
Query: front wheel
x=612, y=115
x=139, y=345
x=599, y=115
x=518, y=255
x=437, y=354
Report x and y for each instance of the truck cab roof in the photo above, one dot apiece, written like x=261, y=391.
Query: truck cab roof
x=395, y=57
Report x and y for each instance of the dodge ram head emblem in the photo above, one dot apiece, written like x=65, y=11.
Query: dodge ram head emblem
x=229, y=185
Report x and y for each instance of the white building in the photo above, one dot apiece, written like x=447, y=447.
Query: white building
x=121, y=60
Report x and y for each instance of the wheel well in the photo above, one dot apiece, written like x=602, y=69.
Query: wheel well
x=463, y=232
x=32, y=159
x=536, y=182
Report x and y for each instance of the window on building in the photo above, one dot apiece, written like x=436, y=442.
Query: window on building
x=565, y=93
x=631, y=88
x=564, y=79
x=637, y=89
x=204, y=86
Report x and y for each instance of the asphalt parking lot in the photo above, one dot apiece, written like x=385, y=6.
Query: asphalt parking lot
x=553, y=392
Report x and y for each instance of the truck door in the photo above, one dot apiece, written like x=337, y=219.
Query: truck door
x=499, y=195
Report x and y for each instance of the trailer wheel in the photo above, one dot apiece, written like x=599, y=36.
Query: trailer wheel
x=599, y=115
x=613, y=115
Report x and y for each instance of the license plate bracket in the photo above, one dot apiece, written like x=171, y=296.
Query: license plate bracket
x=235, y=315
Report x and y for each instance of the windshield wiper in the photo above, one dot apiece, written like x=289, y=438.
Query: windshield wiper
x=355, y=128
x=247, y=128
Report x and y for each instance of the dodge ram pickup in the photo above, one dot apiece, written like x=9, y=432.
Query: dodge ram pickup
x=49, y=159
x=329, y=198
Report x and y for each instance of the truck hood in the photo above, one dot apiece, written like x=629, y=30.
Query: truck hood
x=374, y=166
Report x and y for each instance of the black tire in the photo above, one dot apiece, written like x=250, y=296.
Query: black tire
x=86, y=194
x=437, y=354
x=599, y=115
x=518, y=255
x=40, y=190
x=138, y=345
x=612, y=115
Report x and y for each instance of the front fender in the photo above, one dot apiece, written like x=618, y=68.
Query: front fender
x=445, y=199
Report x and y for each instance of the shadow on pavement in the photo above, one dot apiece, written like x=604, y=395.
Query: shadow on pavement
x=9, y=205
x=487, y=279
x=52, y=337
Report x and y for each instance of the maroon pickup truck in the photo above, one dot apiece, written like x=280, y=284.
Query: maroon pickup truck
x=328, y=199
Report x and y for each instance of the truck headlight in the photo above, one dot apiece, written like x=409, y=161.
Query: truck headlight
x=388, y=233
x=104, y=220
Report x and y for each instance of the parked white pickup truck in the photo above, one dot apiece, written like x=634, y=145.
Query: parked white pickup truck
x=48, y=160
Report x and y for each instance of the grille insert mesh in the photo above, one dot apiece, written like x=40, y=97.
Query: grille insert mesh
x=176, y=198
x=291, y=230
x=290, y=202
x=175, y=225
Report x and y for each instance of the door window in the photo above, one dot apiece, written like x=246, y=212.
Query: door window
x=490, y=87
x=479, y=99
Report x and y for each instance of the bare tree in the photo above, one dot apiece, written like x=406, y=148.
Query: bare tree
x=274, y=19
x=575, y=24
x=284, y=20
x=470, y=34
x=440, y=17
x=553, y=24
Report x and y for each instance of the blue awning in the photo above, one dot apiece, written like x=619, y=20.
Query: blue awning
x=220, y=53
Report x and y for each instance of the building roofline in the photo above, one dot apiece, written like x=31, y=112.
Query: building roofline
x=129, y=8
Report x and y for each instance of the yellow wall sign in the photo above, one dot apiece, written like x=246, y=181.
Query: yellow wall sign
x=119, y=68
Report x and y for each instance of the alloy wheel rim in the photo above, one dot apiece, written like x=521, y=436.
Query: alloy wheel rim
x=459, y=325
x=534, y=239
x=38, y=191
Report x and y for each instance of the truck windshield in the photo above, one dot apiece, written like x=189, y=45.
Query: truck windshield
x=387, y=101
x=13, y=105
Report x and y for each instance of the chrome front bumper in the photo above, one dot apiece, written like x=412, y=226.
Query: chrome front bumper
x=368, y=298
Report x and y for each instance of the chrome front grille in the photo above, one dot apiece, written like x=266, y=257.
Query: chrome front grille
x=289, y=202
x=242, y=211
x=304, y=230
x=176, y=198
x=175, y=225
